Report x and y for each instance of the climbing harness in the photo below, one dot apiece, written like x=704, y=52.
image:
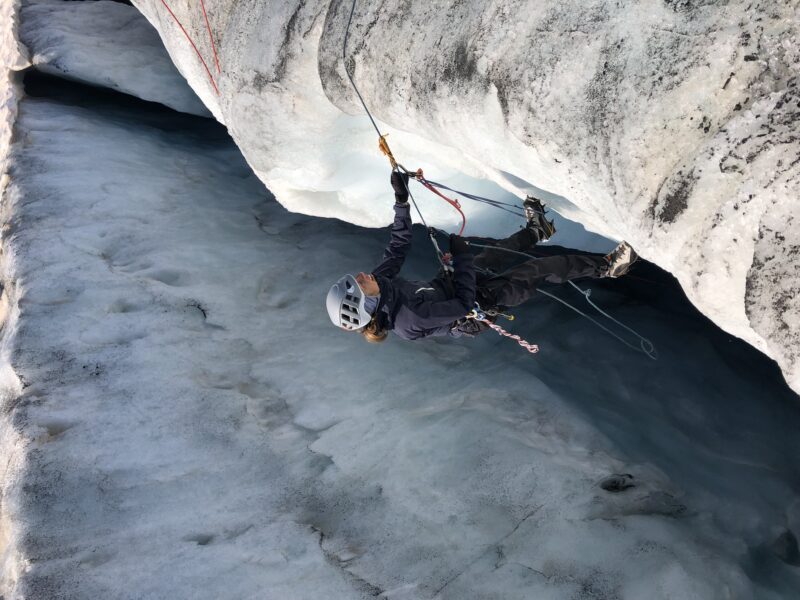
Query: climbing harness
x=477, y=314
x=383, y=146
x=191, y=42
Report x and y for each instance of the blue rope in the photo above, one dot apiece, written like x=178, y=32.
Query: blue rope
x=473, y=196
x=489, y=201
x=645, y=346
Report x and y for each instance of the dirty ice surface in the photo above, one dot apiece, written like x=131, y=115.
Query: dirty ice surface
x=197, y=428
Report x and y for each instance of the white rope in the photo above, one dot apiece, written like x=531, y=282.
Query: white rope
x=645, y=346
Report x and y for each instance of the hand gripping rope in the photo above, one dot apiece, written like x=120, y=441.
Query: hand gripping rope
x=645, y=345
x=383, y=146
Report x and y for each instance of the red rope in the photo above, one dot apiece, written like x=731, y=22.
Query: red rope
x=451, y=201
x=210, y=77
x=211, y=37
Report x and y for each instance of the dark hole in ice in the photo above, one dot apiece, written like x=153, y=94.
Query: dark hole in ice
x=119, y=106
x=619, y=482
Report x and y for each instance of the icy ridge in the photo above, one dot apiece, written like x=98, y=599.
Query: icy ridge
x=13, y=55
x=670, y=124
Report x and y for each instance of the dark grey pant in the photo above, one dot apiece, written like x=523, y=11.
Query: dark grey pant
x=497, y=260
x=518, y=284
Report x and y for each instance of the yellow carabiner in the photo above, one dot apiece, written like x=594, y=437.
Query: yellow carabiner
x=383, y=146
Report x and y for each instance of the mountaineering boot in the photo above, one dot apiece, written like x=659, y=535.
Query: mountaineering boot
x=620, y=260
x=534, y=213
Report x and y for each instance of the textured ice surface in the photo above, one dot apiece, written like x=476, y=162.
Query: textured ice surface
x=107, y=44
x=670, y=124
x=193, y=427
x=182, y=421
x=12, y=444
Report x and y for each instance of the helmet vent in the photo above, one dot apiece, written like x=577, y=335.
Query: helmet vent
x=346, y=303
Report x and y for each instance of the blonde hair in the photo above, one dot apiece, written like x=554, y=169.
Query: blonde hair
x=374, y=333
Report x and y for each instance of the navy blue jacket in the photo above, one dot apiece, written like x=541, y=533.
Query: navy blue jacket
x=415, y=309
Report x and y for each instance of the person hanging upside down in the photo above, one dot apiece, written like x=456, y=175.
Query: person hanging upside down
x=378, y=302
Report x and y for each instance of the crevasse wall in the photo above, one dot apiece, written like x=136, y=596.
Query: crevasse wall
x=670, y=124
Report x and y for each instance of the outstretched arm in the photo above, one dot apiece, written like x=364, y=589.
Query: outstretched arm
x=400, y=240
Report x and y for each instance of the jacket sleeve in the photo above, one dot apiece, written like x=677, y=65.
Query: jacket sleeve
x=443, y=312
x=399, y=243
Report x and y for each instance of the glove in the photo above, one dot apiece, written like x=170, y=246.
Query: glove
x=400, y=186
x=459, y=245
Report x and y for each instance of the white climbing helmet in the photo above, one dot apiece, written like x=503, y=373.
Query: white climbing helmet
x=346, y=303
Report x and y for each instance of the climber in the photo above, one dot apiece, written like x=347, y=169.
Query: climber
x=378, y=302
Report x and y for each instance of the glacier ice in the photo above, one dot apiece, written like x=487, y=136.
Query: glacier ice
x=182, y=421
x=107, y=44
x=196, y=428
x=670, y=124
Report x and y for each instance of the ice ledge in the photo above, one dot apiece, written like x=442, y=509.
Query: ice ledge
x=106, y=44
